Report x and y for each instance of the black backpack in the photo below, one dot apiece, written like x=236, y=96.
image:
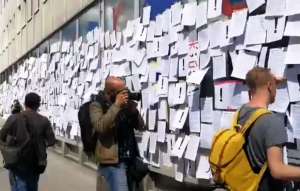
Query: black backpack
x=88, y=136
x=21, y=155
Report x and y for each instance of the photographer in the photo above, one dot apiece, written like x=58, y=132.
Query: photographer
x=114, y=117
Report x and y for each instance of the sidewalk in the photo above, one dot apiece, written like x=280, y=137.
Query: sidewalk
x=61, y=175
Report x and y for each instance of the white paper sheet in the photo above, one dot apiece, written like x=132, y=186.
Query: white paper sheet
x=293, y=51
x=281, y=101
x=151, y=31
x=223, y=94
x=192, y=148
x=206, y=107
x=163, y=46
x=194, y=120
x=224, y=33
x=244, y=63
x=178, y=93
x=189, y=13
x=161, y=131
x=183, y=46
x=153, y=142
x=275, y=28
x=255, y=30
x=201, y=16
x=262, y=57
x=204, y=59
x=163, y=109
x=276, y=61
x=206, y=135
x=180, y=117
x=292, y=7
x=197, y=76
x=176, y=12
x=214, y=8
x=179, y=170
x=254, y=4
x=163, y=86
x=192, y=58
x=145, y=141
x=139, y=56
x=238, y=23
x=152, y=119
x=166, y=20
x=293, y=83
x=107, y=39
x=292, y=26
x=194, y=99
x=203, y=169
x=203, y=38
x=158, y=25
x=165, y=150
x=295, y=114
x=183, y=146
x=275, y=8
x=219, y=66
x=146, y=15
x=215, y=34
x=226, y=119
x=141, y=33
x=176, y=146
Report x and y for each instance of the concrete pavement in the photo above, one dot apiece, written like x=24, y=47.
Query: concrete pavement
x=61, y=175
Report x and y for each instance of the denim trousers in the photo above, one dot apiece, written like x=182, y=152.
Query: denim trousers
x=115, y=176
x=24, y=183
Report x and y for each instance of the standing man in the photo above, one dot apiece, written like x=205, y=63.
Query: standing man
x=268, y=135
x=25, y=175
x=114, y=117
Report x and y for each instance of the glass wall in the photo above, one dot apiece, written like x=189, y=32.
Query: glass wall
x=69, y=32
x=117, y=13
x=55, y=38
x=44, y=47
x=89, y=20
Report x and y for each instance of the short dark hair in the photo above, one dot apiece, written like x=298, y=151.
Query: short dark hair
x=16, y=107
x=258, y=77
x=32, y=100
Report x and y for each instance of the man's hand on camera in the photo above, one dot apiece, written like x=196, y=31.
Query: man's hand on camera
x=132, y=107
x=122, y=98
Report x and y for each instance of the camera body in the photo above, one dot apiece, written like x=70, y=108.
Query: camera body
x=134, y=96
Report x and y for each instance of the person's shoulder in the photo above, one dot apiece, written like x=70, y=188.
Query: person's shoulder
x=271, y=119
x=44, y=118
x=13, y=117
x=95, y=104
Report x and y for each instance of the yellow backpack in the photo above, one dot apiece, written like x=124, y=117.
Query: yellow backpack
x=228, y=160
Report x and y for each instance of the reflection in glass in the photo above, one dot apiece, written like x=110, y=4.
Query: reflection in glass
x=54, y=38
x=89, y=20
x=117, y=13
x=44, y=48
x=69, y=32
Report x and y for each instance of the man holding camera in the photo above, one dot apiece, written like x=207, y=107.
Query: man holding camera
x=114, y=117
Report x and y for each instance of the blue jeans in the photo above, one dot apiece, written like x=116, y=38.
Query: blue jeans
x=115, y=176
x=28, y=183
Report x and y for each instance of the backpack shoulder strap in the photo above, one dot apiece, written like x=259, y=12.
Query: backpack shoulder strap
x=262, y=171
x=248, y=124
x=257, y=114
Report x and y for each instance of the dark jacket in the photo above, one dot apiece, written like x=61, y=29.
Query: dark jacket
x=107, y=120
x=38, y=125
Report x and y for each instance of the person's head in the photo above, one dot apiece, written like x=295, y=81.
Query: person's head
x=262, y=82
x=114, y=85
x=32, y=101
x=16, y=107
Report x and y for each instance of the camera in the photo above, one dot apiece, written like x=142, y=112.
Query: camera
x=135, y=96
